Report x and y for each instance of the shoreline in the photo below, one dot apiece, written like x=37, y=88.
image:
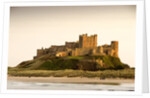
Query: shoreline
x=77, y=80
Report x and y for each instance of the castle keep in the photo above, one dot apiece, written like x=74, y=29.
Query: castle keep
x=87, y=45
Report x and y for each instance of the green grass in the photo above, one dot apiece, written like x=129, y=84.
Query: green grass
x=73, y=62
x=110, y=62
x=124, y=73
x=73, y=66
x=75, y=57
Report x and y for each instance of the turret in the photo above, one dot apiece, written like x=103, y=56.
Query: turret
x=114, y=47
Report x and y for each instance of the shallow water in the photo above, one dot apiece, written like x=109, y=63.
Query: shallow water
x=68, y=86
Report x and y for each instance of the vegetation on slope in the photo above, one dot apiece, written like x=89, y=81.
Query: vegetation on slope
x=73, y=66
x=73, y=62
x=79, y=62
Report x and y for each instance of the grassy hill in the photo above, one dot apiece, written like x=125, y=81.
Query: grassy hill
x=89, y=63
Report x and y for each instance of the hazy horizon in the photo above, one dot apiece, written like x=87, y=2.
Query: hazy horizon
x=34, y=27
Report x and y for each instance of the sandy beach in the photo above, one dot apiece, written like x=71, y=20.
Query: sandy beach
x=69, y=80
x=69, y=83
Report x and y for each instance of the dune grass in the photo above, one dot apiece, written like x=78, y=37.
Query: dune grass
x=124, y=73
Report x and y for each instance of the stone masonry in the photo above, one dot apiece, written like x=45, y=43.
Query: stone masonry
x=87, y=45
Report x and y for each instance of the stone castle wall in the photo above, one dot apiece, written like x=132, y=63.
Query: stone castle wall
x=72, y=45
x=87, y=45
x=81, y=51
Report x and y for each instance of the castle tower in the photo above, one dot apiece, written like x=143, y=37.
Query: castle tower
x=82, y=39
x=87, y=41
x=114, y=46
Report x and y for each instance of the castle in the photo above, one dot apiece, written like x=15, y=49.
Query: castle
x=87, y=45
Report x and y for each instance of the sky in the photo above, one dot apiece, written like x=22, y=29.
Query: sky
x=32, y=28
